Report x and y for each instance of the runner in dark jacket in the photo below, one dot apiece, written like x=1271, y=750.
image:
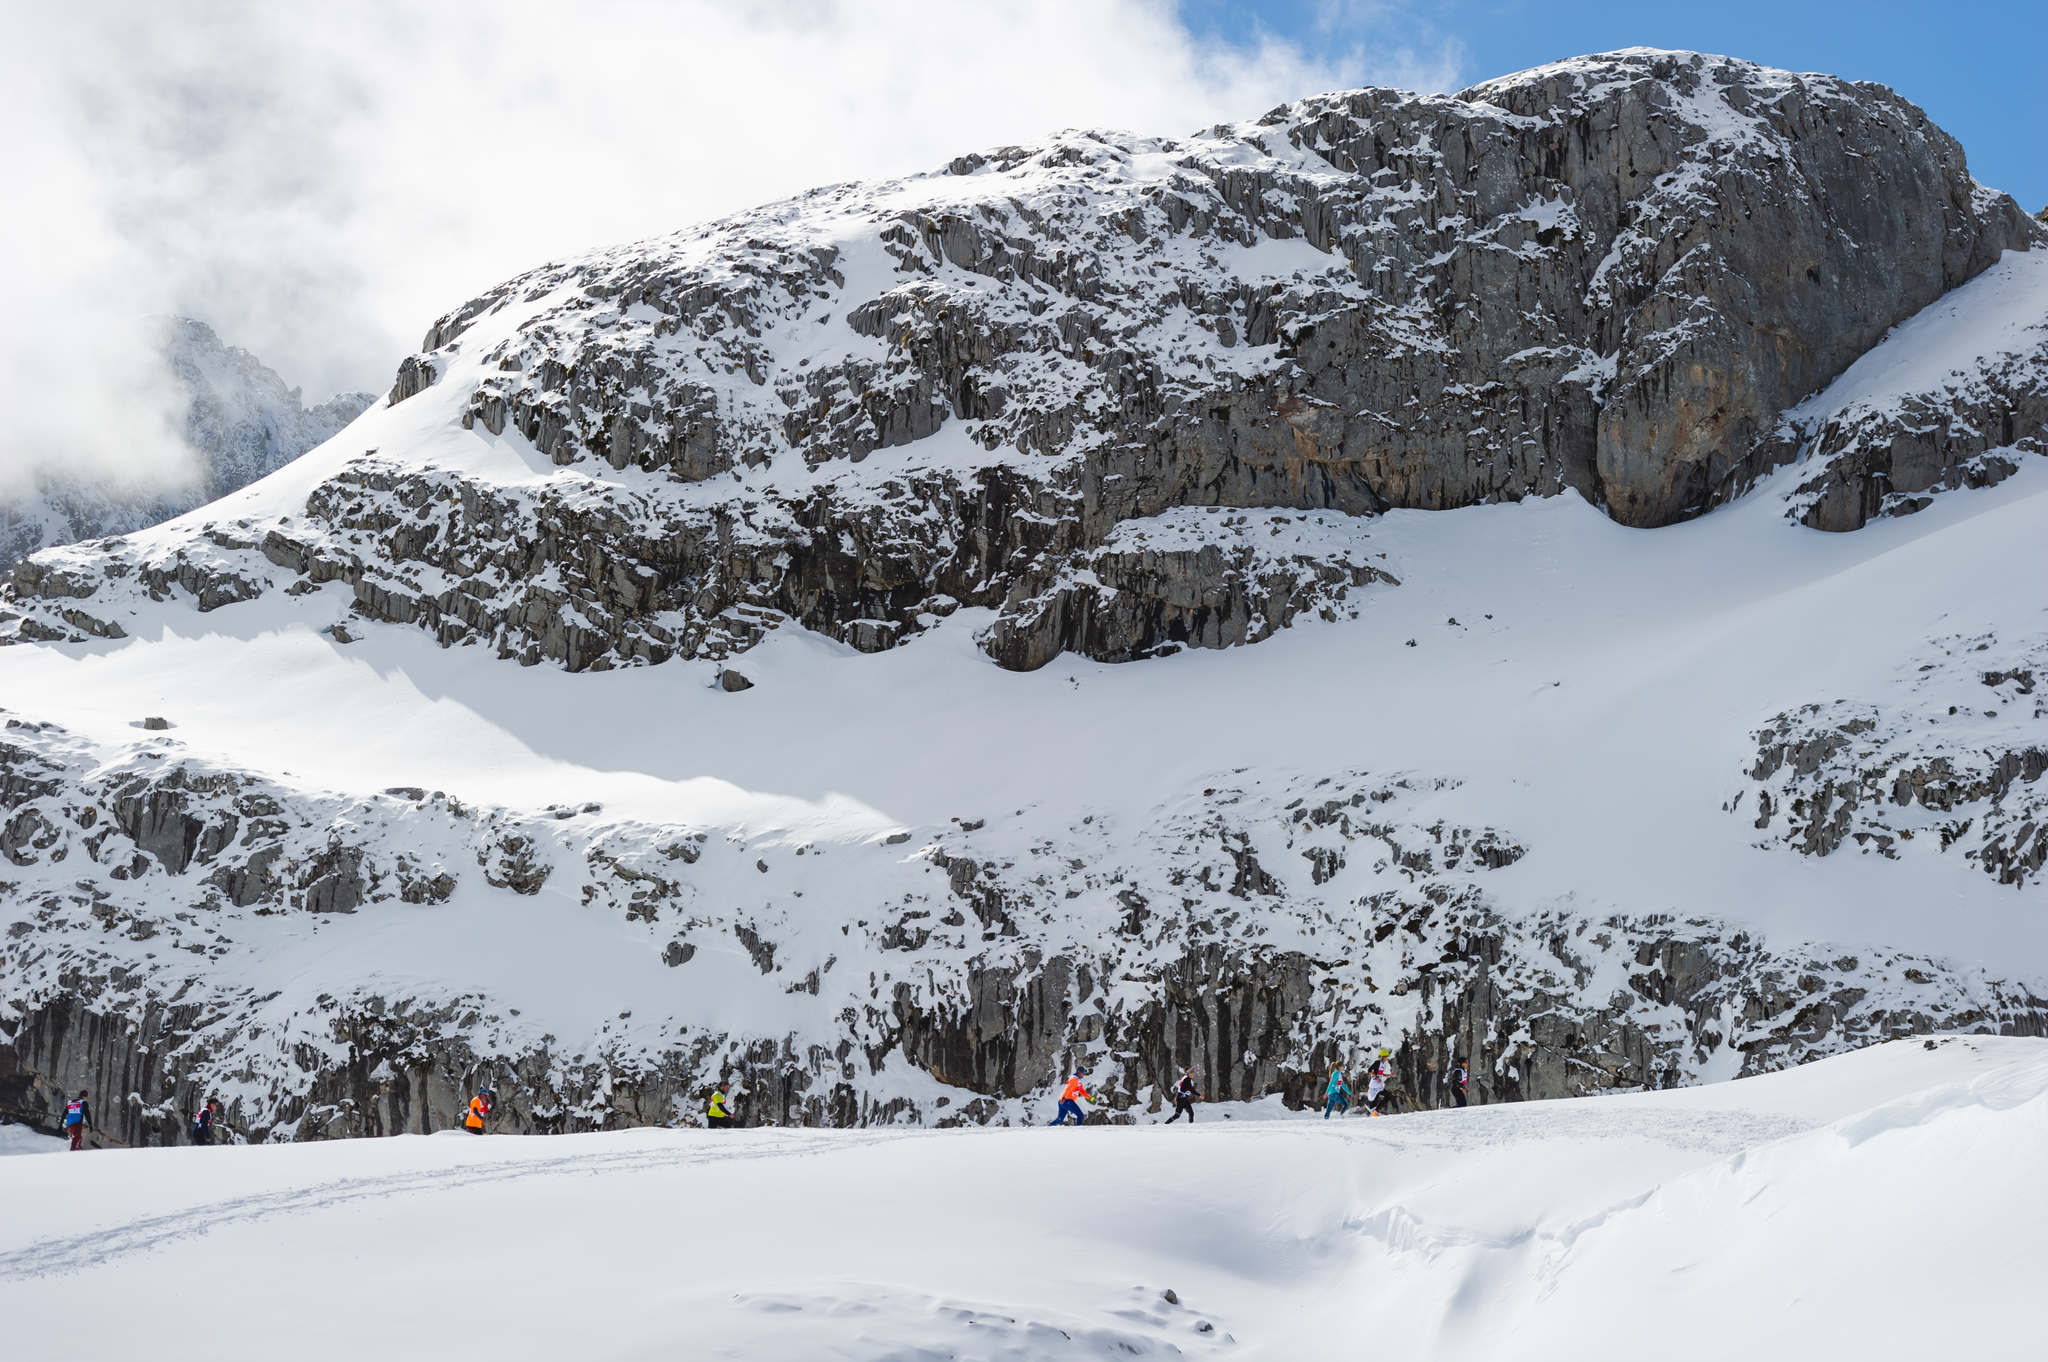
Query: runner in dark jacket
x=1184, y=1096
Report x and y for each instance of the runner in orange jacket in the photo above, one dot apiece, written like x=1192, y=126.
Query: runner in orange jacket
x=1070, y=1099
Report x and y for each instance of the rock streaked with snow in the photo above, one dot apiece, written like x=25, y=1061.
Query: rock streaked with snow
x=865, y=405
x=1950, y=764
x=1235, y=930
x=342, y=961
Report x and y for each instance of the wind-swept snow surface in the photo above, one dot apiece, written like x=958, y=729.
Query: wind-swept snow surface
x=1881, y=1205
x=18, y=1139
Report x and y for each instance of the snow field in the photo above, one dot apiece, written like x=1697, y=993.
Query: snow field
x=1877, y=1205
x=18, y=1139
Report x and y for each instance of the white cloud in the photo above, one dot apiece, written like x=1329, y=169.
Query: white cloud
x=320, y=182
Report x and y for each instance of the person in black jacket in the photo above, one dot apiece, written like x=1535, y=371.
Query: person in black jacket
x=1184, y=1096
x=1458, y=1077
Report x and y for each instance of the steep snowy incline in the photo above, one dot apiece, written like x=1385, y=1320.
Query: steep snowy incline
x=1784, y=1215
x=1529, y=837
x=1956, y=397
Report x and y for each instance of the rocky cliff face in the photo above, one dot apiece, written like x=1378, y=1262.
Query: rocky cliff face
x=242, y=422
x=1106, y=395
x=865, y=407
x=946, y=990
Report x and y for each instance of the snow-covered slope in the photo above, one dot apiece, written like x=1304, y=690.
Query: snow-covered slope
x=241, y=423
x=1879, y=1206
x=1956, y=397
x=1597, y=806
x=1528, y=835
x=19, y=1139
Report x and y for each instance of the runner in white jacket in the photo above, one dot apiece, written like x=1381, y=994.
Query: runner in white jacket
x=1376, y=1080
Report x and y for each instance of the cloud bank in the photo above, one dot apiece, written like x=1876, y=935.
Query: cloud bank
x=319, y=183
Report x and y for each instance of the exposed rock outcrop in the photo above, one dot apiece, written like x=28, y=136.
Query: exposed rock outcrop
x=1108, y=394
x=1957, y=397
x=1920, y=775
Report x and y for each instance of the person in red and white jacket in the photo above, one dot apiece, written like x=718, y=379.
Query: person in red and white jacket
x=78, y=1119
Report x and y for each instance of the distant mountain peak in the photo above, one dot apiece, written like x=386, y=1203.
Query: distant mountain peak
x=241, y=420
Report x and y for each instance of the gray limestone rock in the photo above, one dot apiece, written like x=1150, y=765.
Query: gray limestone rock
x=1906, y=776
x=1128, y=395
x=974, y=970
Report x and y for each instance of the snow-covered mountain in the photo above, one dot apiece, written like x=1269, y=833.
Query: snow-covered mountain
x=241, y=421
x=877, y=561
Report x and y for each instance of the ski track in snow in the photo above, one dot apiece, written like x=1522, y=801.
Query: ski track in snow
x=74, y=1254
x=1714, y=1133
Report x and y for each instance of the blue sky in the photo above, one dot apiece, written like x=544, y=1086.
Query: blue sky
x=1979, y=67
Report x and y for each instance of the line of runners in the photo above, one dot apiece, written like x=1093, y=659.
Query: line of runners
x=718, y=1112
x=1337, y=1092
